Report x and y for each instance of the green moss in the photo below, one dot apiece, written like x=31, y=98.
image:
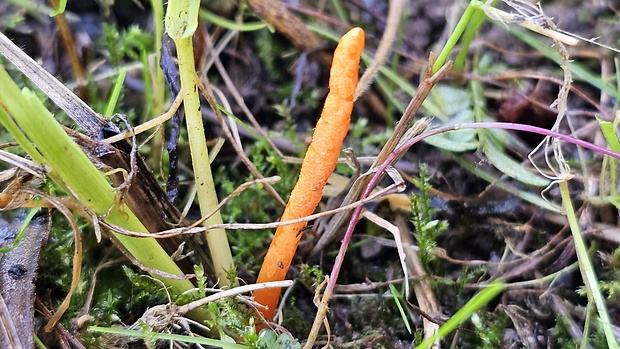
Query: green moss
x=254, y=205
x=427, y=229
x=126, y=44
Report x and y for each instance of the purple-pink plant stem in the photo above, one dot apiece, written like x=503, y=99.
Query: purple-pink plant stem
x=480, y=125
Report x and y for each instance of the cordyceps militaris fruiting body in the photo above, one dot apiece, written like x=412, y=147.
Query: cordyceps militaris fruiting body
x=318, y=164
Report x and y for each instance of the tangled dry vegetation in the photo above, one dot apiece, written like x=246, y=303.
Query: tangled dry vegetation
x=150, y=151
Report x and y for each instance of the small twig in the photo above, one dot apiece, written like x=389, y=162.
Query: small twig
x=124, y=187
x=155, y=122
x=64, y=336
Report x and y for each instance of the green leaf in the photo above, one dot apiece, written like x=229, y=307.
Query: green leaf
x=267, y=339
x=116, y=92
x=455, y=141
x=182, y=18
x=62, y=4
x=477, y=302
x=232, y=25
x=396, y=295
x=512, y=168
x=609, y=132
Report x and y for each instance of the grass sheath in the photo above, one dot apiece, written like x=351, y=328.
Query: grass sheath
x=318, y=164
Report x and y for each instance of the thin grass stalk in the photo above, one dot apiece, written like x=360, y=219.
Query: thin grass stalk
x=476, y=20
x=455, y=36
x=181, y=22
x=476, y=302
x=585, y=266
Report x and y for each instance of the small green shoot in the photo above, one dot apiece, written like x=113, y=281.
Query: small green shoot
x=232, y=25
x=396, y=296
x=587, y=269
x=609, y=132
x=427, y=229
x=476, y=20
x=477, y=302
x=152, y=336
x=21, y=231
x=116, y=92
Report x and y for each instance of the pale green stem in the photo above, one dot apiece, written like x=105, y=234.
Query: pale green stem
x=456, y=35
x=207, y=197
x=477, y=302
x=586, y=268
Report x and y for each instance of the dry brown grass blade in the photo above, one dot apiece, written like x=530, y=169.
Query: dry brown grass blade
x=70, y=49
x=77, y=256
x=427, y=301
x=292, y=28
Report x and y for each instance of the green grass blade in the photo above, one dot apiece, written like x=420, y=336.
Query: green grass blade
x=168, y=336
x=396, y=296
x=609, y=132
x=116, y=92
x=231, y=25
x=207, y=196
x=455, y=36
x=477, y=302
x=587, y=269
